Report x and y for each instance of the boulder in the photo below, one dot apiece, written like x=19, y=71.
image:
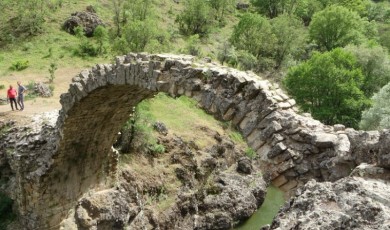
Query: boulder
x=244, y=165
x=235, y=198
x=42, y=90
x=87, y=20
x=160, y=128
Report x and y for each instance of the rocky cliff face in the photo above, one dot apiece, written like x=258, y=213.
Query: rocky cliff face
x=349, y=203
x=201, y=188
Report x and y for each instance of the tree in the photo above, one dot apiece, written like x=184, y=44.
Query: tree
x=336, y=26
x=329, y=86
x=253, y=33
x=290, y=38
x=20, y=19
x=139, y=33
x=195, y=18
x=101, y=36
x=307, y=8
x=129, y=10
x=375, y=64
x=220, y=7
x=378, y=116
x=272, y=8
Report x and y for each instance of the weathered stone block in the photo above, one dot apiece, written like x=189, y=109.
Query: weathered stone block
x=276, y=150
x=324, y=140
x=272, y=128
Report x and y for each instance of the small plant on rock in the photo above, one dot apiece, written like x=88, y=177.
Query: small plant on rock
x=249, y=152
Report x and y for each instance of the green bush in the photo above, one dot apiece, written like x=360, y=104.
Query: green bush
x=2, y=86
x=19, y=65
x=193, y=45
x=249, y=152
x=31, y=91
x=157, y=149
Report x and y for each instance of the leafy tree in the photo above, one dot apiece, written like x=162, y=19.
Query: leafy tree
x=195, y=18
x=119, y=17
x=126, y=11
x=101, y=36
x=307, y=8
x=375, y=64
x=336, y=26
x=272, y=8
x=139, y=36
x=253, y=33
x=290, y=38
x=20, y=19
x=139, y=33
x=378, y=116
x=379, y=12
x=329, y=86
x=221, y=7
x=358, y=6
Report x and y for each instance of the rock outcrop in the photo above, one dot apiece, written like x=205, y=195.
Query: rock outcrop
x=88, y=20
x=349, y=203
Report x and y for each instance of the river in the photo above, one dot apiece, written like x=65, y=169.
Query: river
x=264, y=215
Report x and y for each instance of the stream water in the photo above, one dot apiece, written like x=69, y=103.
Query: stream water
x=264, y=215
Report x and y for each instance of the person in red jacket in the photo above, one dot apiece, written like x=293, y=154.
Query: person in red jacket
x=11, y=96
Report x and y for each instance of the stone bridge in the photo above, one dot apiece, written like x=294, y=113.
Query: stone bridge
x=293, y=148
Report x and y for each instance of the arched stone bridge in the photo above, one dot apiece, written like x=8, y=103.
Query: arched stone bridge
x=293, y=148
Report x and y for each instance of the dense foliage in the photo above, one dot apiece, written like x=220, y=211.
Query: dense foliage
x=378, y=116
x=329, y=86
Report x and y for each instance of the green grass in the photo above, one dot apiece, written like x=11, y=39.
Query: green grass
x=183, y=117
x=273, y=202
x=56, y=45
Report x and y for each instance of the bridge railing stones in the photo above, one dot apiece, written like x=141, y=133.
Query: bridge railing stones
x=292, y=148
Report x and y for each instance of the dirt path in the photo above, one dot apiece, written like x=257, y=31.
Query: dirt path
x=37, y=105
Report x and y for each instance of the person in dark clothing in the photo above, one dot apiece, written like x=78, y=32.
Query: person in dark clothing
x=11, y=96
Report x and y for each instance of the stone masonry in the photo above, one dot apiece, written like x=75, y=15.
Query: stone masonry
x=292, y=148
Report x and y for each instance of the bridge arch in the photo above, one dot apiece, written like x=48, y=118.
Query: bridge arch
x=100, y=100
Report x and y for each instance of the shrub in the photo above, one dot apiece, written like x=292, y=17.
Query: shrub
x=52, y=69
x=195, y=18
x=249, y=152
x=157, y=149
x=193, y=47
x=19, y=65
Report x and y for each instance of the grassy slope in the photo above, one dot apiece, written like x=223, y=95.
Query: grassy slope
x=36, y=50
